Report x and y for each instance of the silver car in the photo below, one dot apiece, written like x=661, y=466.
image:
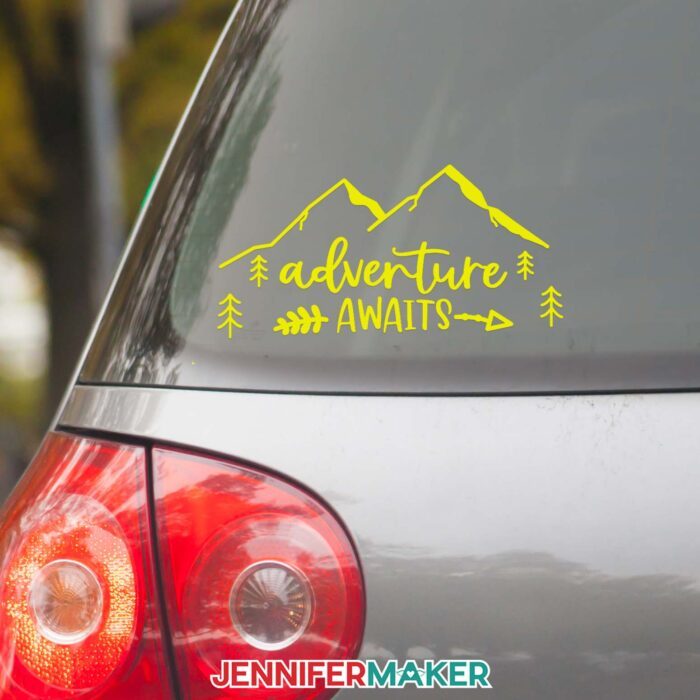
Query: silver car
x=399, y=368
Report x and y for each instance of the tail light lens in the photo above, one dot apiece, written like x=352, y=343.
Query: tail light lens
x=76, y=592
x=254, y=568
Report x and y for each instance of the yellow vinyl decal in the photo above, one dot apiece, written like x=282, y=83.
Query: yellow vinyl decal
x=426, y=269
x=551, y=303
x=229, y=313
x=468, y=189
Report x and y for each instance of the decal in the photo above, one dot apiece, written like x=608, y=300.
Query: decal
x=468, y=189
x=229, y=313
x=525, y=266
x=551, y=304
x=439, y=277
x=258, y=271
x=301, y=321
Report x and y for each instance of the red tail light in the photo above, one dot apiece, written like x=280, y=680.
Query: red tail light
x=76, y=593
x=254, y=568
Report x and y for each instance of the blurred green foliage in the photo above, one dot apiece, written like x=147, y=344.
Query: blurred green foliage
x=155, y=81
x=39, y=65
x=20, y=401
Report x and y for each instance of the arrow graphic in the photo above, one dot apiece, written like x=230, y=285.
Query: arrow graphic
x=495, y=321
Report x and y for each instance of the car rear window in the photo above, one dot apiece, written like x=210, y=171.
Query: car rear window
x=482, y=196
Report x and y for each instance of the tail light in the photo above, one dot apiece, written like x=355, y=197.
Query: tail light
x=76, y=592
x=254, y=568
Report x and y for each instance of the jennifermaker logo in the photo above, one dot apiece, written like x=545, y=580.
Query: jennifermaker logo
x=453, y=673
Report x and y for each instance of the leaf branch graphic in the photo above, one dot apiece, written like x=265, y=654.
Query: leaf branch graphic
x=301, y=322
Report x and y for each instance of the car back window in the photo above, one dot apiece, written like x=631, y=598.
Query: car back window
x=482, y=196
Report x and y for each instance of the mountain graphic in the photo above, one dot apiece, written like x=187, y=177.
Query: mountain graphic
x=468, y=189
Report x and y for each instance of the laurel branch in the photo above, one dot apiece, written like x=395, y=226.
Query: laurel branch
x=301, y=322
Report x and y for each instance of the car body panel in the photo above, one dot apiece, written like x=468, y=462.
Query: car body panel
x=552, y=536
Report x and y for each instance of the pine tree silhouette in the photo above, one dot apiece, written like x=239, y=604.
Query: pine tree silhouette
x=229, y=313
x=525, y=267
x=551, y=304
x=258, y=270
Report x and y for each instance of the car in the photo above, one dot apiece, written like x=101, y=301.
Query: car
x=396, y=386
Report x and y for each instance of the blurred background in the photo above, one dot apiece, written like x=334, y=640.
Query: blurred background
x=90, y=94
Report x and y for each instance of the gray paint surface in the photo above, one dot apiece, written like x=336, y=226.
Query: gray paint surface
x=555, y=537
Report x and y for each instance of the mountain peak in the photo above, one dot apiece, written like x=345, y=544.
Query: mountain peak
x=470, y=192
x=468, y=189
x=355, y=197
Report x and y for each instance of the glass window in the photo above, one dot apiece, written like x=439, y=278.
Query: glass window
x=482, y=196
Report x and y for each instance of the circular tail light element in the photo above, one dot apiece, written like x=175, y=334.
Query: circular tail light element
x=70, y=593
x=66, y=600
x=255, y=569
x=271, y=605
x=75, y=577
